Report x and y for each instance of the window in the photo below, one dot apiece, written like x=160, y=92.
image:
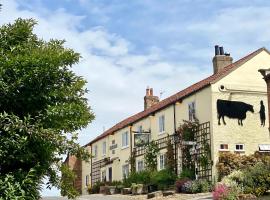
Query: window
x=104, y=148
x=224, y=147
x=87, y=180
x=239, y=147
x=103, y=176
x=264, y=147
x=162, y=161
x=140, y=130
x=161, y=123
x=140, y=166
x=95, y=151
x=191, y=111
x=125, y=139
x=125, y=170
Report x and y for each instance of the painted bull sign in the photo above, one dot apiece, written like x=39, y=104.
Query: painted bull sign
x=233, y=110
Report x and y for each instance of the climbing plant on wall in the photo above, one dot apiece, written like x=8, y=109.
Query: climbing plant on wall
x=132, y=161
x=170, y=161
x=150, y=156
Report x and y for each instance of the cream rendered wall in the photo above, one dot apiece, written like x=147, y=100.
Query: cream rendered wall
x=252, y=88
x=86, y=170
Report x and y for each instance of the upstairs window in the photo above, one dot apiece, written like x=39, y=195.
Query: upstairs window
x=104, y=148
x=95, y=151
x=140, y=129
x=191, y=111
x=125, y=139
x=161, y=124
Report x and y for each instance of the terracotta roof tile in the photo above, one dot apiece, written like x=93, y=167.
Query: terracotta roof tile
x=178, y=96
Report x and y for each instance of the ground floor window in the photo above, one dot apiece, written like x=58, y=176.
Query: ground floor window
x=87, y=180
x=264, y=147
x=239, y=147
x=103, y=176
x=140, y=166
x=224, y=147
x=125, y=170
x=162, y=161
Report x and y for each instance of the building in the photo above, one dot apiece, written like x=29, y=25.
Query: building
x=231, y=105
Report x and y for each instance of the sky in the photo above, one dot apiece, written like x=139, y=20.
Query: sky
x=127, y=45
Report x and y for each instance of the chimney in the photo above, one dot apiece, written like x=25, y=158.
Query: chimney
x=150, y=99
x=221, y=59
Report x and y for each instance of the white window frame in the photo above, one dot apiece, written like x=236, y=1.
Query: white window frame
x=125, y=170
x=103, y=176
x=140, y=165
x=104, y=148
x=125, y=140
x=240, y=150
x=95, y=151
x=161, y=124
x=140, y=129
x=162, y=160
x=268, y=145
x=222, y=149
x=192, y=111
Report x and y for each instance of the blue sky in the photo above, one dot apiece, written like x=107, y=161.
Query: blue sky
x=127, y=45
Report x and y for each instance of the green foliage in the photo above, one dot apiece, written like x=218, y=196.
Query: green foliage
x=150, y=156
x=188, y=173
x=229, y=162
x=196, y=186
x=132, y=161
x=170, y=161
x=95, y=188
x=67, y=180
x=42, y=105
x=142, y=177
x=163, y=179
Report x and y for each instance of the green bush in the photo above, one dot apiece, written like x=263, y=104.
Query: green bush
x=142, y=177
x=196, y=186
x=257, y=179
x=188, y=173
x=95, y=188
x=163, y=179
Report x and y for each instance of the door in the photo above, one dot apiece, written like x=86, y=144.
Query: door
x=110, y=174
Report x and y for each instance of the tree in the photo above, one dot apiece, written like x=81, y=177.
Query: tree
x=42, y=105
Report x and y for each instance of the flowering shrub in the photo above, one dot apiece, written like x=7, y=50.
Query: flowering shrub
x=196, y=186
x=179, y=184
x=222, y=192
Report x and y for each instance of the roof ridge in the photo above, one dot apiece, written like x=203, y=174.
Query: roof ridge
x=179, y=95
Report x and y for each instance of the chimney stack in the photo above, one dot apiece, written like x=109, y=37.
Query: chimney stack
x=221, y=59
x=150, y=99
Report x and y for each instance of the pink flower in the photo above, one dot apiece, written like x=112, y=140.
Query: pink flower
x=220, y=192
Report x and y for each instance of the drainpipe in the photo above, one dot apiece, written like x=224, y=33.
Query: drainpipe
x=91, y=165
x=130, y=140
x=175, y=146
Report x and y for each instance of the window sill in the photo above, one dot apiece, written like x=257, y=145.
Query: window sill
x=161, y=133
x=125, y=147
x=239, y=151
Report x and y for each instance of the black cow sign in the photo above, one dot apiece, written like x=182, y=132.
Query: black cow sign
x=233, y=110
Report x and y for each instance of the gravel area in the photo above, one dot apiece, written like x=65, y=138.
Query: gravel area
x=202, y=196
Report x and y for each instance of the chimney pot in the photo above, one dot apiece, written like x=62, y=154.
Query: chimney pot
x=220, y=59
x=221, y=50
x=151, y=91
x=216, y=50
